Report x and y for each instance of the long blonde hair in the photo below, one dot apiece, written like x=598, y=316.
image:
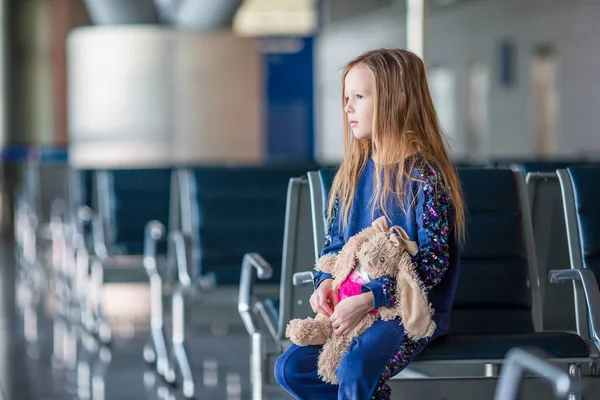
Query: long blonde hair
x=405, y=123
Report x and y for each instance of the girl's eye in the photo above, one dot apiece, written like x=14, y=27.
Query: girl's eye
x=358, y=96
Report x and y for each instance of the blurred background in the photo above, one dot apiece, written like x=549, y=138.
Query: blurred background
x=137, y=82
x=117, y=85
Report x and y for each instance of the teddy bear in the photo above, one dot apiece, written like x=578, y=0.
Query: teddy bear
x=374, y=252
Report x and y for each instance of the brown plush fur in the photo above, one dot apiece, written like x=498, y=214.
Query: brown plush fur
x=381, y=252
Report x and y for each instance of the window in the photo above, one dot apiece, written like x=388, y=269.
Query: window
x=544, y=101
x=442, y=84
x=477, y=124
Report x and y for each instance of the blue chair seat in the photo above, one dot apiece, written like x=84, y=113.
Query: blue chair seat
x=558, y=345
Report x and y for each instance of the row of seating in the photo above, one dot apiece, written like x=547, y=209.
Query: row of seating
x=212, y=226
x=213, y=216
x=502, y=301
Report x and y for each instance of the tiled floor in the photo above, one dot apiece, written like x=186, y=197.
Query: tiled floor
x=219, y=352
x=218, y=347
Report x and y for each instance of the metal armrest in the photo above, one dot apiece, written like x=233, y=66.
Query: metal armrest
x=157, y=350
x=98, y=237
x=518, y=361
x=84, y=214
x=153, y=232
x=252, y=265
x=268, y=316
x=181, y=244
x=78, y=222
x=303, y=278
x=592, y=295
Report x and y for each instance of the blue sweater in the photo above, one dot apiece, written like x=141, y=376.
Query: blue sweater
x=428, y=221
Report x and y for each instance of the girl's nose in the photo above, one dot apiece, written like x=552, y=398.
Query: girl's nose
x=348, y=108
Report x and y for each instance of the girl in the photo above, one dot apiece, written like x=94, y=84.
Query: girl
x=395, y=164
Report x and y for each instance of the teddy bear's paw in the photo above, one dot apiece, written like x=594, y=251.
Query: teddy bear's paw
x=326, y=263
x=328, y=377
x=305, y=332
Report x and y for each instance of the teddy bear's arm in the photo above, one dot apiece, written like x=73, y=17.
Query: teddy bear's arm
x=324, y=269
x=333, y=244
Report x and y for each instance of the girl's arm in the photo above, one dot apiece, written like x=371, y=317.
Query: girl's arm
x=433, y=214
x=334, y=242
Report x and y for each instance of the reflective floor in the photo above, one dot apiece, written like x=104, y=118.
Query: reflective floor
x=218, y=345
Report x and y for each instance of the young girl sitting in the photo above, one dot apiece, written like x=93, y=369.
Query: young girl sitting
x=396, y=164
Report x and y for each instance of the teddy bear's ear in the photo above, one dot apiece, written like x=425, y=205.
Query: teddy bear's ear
x=411, y=245
x=380, y=224
x=414, y=306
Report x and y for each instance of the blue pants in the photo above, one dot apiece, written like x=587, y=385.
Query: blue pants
x=379, y=353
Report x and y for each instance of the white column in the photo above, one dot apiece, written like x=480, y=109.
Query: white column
x=416, y=14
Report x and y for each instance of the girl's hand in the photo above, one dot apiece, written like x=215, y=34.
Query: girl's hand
x=350, y=312
x=324, y=299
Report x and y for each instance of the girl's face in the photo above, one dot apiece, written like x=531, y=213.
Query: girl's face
x=359, y=94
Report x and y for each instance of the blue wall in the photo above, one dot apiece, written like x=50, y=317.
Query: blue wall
x=289, y=104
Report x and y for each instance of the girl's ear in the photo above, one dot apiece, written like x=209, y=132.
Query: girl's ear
x=414, y=305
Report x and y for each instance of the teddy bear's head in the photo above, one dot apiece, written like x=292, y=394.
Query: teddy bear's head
x=379, y=255
x=382, y=252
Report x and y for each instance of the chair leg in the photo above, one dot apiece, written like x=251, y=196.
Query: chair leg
x=97, y=281
x=100, y=369
x=575, y=373
x=59, y=329
x=70, y=349
x=84, y=359
x=258, y=367
x=179, y=351
x=157, y=350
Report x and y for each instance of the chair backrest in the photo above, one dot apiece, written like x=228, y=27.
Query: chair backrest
x=297, y=255
x=320, y=184
x=498, y=289
x=127, y=199
x=550, y=166
x=53, y=184
x=580, y=188
x=585, y=189
x=552, y=250
x=43, y=183
x=80, y=189
x=80, y=183
x=236, y=210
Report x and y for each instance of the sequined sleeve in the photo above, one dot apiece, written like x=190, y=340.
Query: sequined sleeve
x=333, y=244
x=333, y=238
x=384, y=291
x=433, y=221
